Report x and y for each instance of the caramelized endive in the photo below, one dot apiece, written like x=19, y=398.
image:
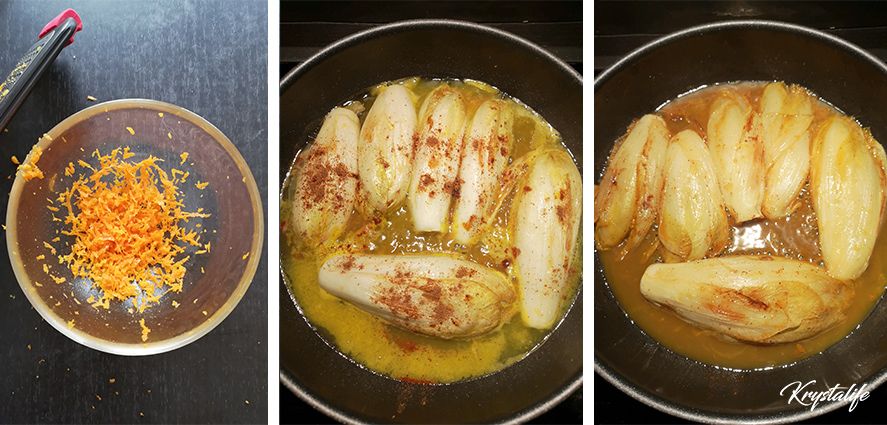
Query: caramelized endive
x=738, y=156
x=760, y=299
x=784, y=125
x=847, y=183
x=791, y=283
x=627, y=200
x=692, y=218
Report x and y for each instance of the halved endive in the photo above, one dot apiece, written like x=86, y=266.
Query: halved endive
x=738, y=156
x=326, y=180
x=628, y=198
x=442, y=120
x=438, y=295
x=847, y=184
x=385, y=151
x=485, y=155
x=784, y=125
x=545, y=218
x=692, y=218
x=760, y=299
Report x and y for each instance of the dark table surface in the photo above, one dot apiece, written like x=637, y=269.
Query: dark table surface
x=621, y=27
x=188, y=54
x=308, y=26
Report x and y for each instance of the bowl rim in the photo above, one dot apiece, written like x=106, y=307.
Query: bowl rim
x=350, y=40
x=650, y=399
x=155, y=347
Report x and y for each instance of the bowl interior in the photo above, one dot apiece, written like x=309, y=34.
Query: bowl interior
x=840, y=74
x=214, y=281
x=318, y=373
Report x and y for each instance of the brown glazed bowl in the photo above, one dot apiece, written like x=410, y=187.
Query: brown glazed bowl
x=232, y=199
x=853, y=81
x=318, y=373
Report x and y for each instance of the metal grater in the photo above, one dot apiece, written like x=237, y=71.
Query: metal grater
x=20, y=67
x=57, y=34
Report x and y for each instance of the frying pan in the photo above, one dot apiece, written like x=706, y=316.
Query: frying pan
x=318, y=373
x=840, y=73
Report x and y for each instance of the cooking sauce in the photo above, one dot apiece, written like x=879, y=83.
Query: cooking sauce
x=386, y=349
x=795, y=236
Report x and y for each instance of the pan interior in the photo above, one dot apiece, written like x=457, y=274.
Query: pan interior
x=739, y=51
x=433, y=49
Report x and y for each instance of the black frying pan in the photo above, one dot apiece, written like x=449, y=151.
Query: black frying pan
x=841, y=73
x=315, y=371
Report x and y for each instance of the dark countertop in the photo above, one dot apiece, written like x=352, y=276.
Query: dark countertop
x=308, y=26
x=180, y=52
x=621, y=27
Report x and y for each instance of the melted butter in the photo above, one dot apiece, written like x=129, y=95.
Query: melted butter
x=795, y=236
x=389, y=350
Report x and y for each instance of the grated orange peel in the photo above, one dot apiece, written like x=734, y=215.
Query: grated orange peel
x=126, y=221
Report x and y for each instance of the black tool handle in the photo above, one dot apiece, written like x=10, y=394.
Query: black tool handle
x=31, y=67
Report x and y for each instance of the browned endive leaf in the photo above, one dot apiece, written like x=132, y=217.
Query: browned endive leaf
x=761, y=299
x=692, y=218
x=628, y=198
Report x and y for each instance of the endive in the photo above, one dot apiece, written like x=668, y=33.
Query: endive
x=692, y=219
x=437, y=295
x=784, y=126
x=629, y=194
x=761, y=299
x=484, y=158
x=385, y=151
x=847, y=184
x=546, y=214
x=326, y=179
x=434, y=179
x=738, y=156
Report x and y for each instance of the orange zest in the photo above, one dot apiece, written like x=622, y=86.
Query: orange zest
x=126, y=222
x=29, y=168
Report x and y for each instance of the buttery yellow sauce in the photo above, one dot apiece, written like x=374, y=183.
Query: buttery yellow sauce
x=386, y=349
x=795, y=236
